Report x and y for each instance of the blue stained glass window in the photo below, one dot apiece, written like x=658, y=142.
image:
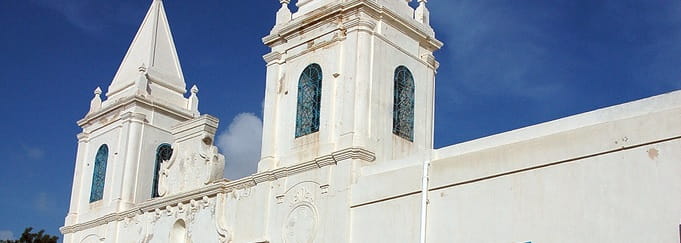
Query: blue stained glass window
x=403, y=104
x=163, y=153
x=99, y=174
x=309, y=100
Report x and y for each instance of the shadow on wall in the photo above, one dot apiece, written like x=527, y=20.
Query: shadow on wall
x=179, y=232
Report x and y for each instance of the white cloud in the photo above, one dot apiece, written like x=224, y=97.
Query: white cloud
x=33, y=152
x=92, y=16
x=241, y=145
x=43, y=202
x=6, y=235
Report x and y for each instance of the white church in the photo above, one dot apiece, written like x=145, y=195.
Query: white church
x=347, y=150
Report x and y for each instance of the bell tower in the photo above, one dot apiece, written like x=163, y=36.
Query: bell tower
x=123, y=133
x=349, y=75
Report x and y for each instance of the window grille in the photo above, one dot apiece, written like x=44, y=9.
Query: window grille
x=163, y=153
x=99, y=174
x=309, y=100
x=403, y=104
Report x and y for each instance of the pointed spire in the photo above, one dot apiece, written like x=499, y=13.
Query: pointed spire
x=153, y=49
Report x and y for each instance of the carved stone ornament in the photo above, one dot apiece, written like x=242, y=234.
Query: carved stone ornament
x=224, y=234
x=195, y=161
x=301, y=224
x=302, y=195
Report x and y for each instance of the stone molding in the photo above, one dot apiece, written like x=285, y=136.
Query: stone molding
x=337, y=36
x=426, y=59
x=224, y=234
x=195, y=127
x=83, y=137
x=222, y=187
x=125, y=102
x=271, y=57
x=350, y=19
x=131, y=117
x=158, y=78
x=371, y=8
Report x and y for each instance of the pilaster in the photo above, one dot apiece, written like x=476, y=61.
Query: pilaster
x=134, y=123
x=363, y=79
x=78, y=180
x=276, y=67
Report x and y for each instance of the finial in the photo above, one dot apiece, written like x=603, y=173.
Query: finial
x=422, y=14
x=284, y=14
x=193, y=101
x=143, y=68
x=142, y=82
x=96, y=102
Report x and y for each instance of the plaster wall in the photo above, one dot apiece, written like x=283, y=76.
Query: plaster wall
x=387, y=221
x=292, y=149
x=85, y=209
x=611, y=175
x=131, y=132
x=615, y=180
x=389, y=146
x=357, y=98
x=308, y=206
x=156, y=227
x=627, y=196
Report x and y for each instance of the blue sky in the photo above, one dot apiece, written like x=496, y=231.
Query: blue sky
x=505, y=65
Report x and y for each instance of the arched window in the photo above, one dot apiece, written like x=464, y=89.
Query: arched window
x=99, y=174
x=309, y=100
x=163, y=153
x=403, y=104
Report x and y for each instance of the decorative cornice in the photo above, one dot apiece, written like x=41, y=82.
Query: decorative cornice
x=158, y=78
x=433, y=64
x=361, y=23
x=133, y=117
x=223, y=186
x=339, y=35
x=149, y=206
x=83, y=137
x=181, y=112
x=195, y=127
x=345, y=9
x=272, y=57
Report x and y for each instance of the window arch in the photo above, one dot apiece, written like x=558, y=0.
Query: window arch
x=309, y=100
x=99, y=174
x=403, y=104
x=163, y=153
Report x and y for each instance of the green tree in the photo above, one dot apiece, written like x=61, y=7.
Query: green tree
x=29, y=237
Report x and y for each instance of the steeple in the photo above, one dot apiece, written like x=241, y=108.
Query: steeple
x=144, y=109
x=151, y=66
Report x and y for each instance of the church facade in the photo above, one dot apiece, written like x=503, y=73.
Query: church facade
x=347, y=150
